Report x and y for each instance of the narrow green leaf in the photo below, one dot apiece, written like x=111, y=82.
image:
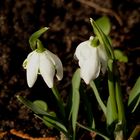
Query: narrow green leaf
x=112, y=113
x=50, y=117
x=41, y=104
x=35, y=109
x=32, y=106
x=111, y=117
x=134, y=93
x=58, y=125
x=120, y=106
x=104, y=24
x=75, y=98
x=35, y=36
x=98, y=98
x=120, y=56
x=52, y=113
x=102, y=38
x=59, y=101
x=93, y=130
x=136, y=104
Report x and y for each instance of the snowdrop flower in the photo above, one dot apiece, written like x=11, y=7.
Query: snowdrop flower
x=92, y=60
x=44, y=63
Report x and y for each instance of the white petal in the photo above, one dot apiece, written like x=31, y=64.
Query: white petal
x=32, y=68
x=57, y=63
x=47, y=69
x=103, y=58
x=88, y=61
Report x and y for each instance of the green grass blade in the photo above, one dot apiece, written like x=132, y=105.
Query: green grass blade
x=36, y=109
x=58, y=125
x=59, y=101
x=136, y=104
x=98, y=98
x=134, y=96
x=93, y=130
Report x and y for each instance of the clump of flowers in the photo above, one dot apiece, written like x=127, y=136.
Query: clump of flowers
x=94, y=56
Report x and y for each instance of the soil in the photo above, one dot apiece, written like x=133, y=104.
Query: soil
x=69, y=25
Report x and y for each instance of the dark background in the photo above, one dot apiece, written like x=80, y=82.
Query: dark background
x=69, y=25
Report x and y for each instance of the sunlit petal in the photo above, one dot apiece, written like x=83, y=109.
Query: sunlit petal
x=57, y=64
x=32, y=68
x=47, y=69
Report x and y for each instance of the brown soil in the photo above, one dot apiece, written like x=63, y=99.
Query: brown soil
x=69, y=25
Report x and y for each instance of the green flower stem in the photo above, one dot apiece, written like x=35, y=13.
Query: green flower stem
x=120, y=106
x=111, y=87
x=59, y=100
x=99, y=100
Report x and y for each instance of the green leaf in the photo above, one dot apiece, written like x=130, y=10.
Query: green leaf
x=60, y=102
x=93, y=130
x=136, y=104
x=33, y=38
x=112, y=112
x=48, y=117
x=41, y=104
x=102, y=38
x=120, y=106
x=120, y=56
x=98, y=98
x=75, y=98
x=104, y=24
x=134, y=96
x=32, y=106
x=58, y=125
x=110, y=115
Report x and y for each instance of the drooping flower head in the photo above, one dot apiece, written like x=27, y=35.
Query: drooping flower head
x=45, y=63
x=92, y=59
x=42, y=61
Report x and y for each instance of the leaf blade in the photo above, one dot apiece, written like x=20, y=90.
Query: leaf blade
x=135, y=92
x=75, y=98
x=104, y=24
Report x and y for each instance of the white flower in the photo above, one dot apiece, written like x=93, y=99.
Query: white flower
x=91, y=60
x=45, y=63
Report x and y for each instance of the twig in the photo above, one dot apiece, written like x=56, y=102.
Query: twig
x=102, y=9
x=2, y=134
x=28, y=137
